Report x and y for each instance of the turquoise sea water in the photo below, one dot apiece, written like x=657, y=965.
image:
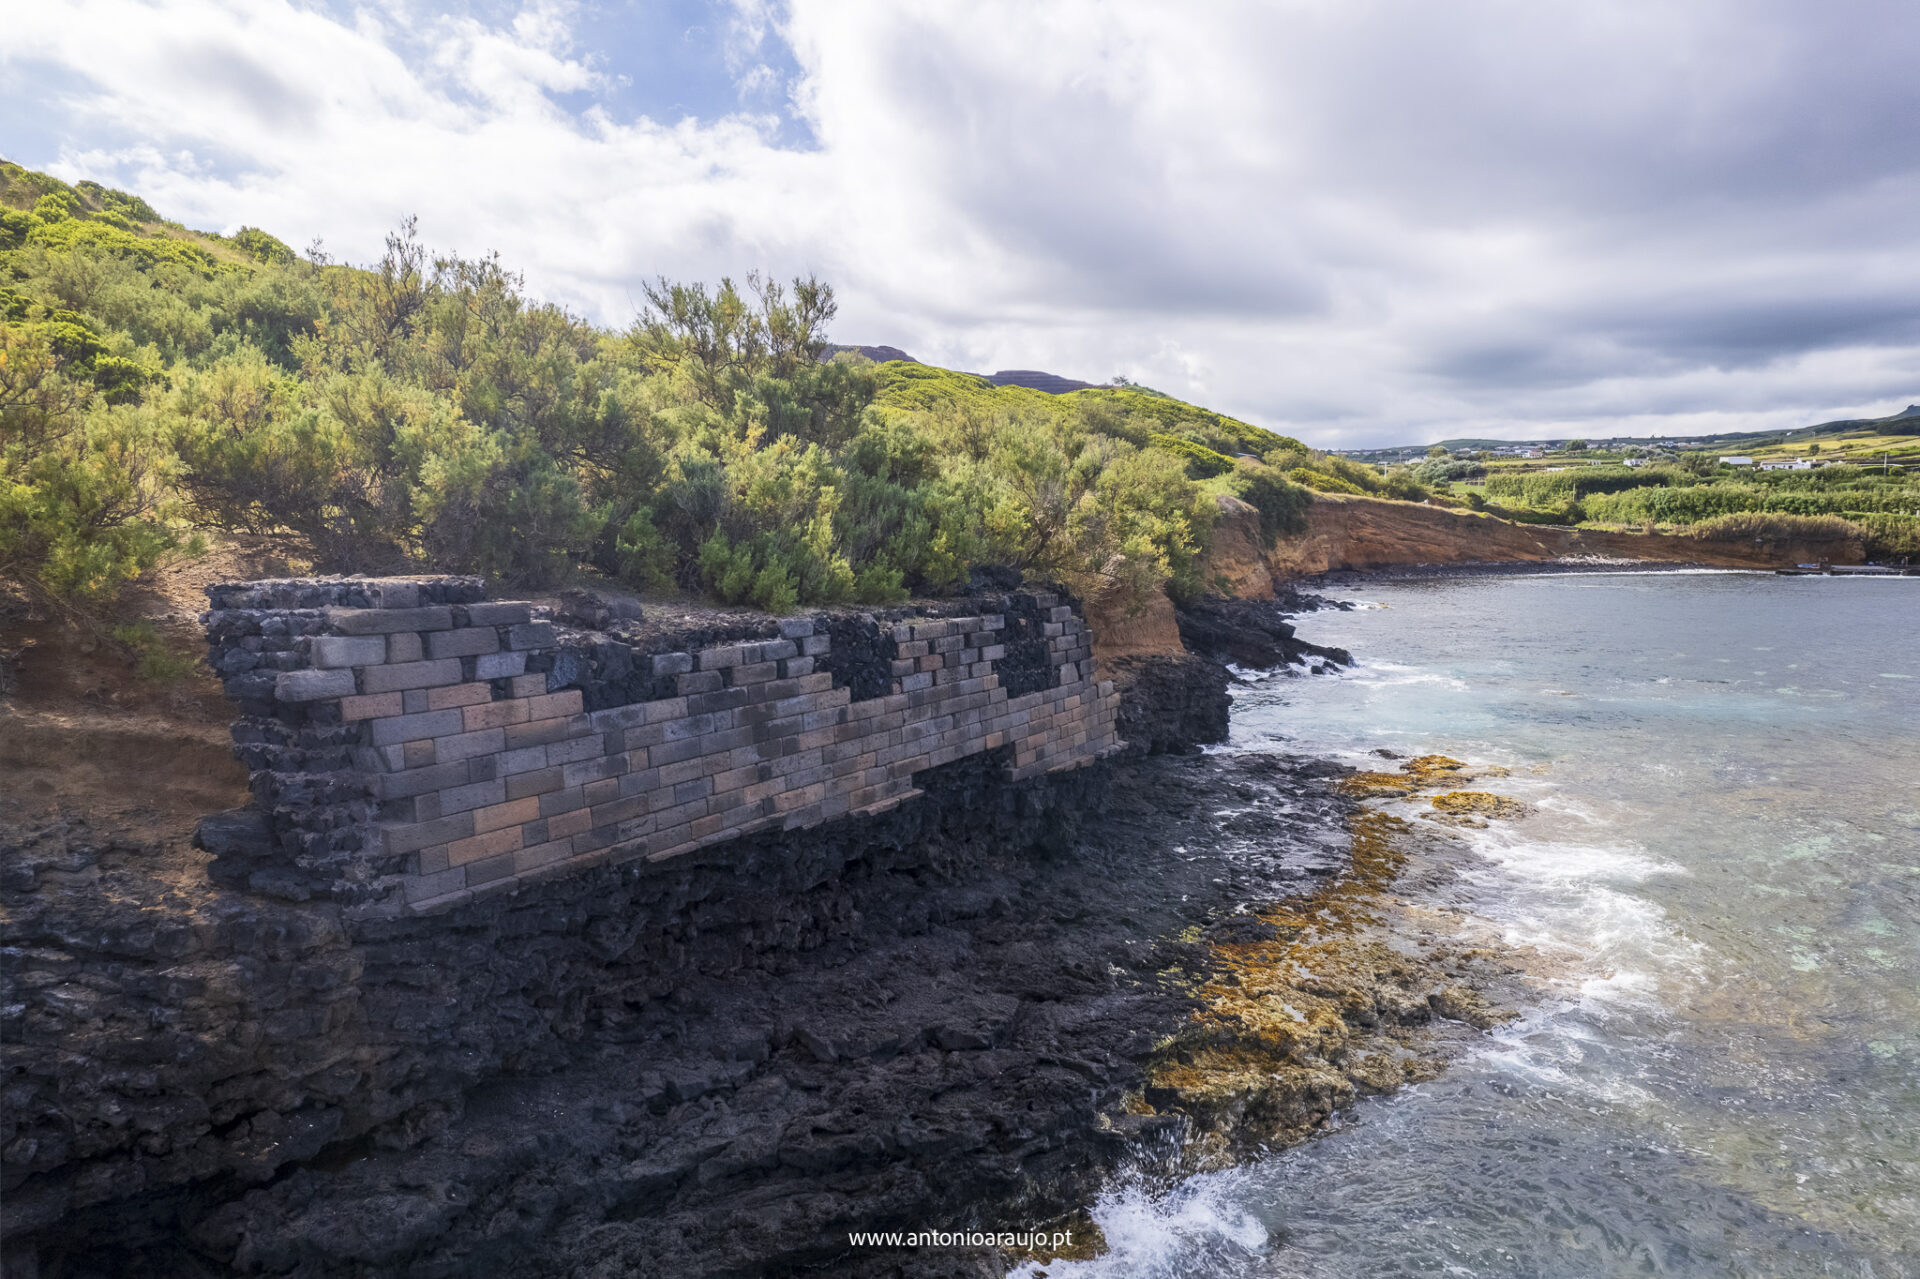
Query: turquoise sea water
x=1723, y=864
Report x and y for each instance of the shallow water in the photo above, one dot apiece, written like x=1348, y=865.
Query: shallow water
x=1722, y=866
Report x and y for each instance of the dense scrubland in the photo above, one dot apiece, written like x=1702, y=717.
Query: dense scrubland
x=159, y=384
x=1723, y=502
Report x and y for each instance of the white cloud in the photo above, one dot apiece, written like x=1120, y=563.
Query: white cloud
x=1360, y=221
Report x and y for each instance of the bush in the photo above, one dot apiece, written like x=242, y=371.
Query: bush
x=1889, y=537
x=1282, y=505
x=1443, y=470
x=1202, y=462
x=1321, y=482
x=423, y=413
x=83, y=484
x=1749, y=525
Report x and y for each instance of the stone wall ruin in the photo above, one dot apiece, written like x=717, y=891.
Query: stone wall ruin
x=413, y=746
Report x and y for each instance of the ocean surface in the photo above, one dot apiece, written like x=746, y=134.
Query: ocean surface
x=1722, y=864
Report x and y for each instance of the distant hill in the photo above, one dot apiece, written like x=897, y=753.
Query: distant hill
x=1035, y=380
x=878, y=354
x=1904, y=423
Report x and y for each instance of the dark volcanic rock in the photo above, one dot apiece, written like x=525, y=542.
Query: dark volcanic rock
x=1251, y=633
x=1170, y=705
x=719, y=1066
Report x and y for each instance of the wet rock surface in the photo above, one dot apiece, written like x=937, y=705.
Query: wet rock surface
x=1170, y=704
x=1254, y=633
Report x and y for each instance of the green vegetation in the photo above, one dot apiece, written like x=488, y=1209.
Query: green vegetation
x=156, y=382
x=1708, y=500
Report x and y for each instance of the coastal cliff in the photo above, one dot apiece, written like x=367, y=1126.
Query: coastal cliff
x=955, y=1012
x=1361, y=533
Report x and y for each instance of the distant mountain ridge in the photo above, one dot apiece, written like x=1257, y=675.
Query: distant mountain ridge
x=1035, y=380
x=1032, y=379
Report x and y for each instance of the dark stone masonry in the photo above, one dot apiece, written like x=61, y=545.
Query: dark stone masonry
x=412, y=744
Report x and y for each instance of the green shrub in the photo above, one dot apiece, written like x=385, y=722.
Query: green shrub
x=1282, y=505
x=1202, y=463
x=1321, y=482
x=1889, y=537
x=1747, y=525
x=155, y=660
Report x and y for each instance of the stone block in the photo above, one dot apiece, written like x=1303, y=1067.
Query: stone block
x=716, y=659
x=451, y=696
x=408, y=839
x=332, y=651
x=495, y=714
x=615, y=718
x=414, y=701
x=406, y=675
x=388, y=621
x=407, y=728
x=755, y=672
x=549, y=705
x=485, y=741
x=477, y=847
x=672, y=663
x=794, y=628
x=794, y=667
x=418, y=781
x=539, y=782
x=393, y=592
x=531, y=635
x=550, y=853
x=473, y=641
x=565, y=800
x=406, y=646
x=695, y=682
x=575, y=750
x=567, y=825
x=459, y=799
x=513, y=813
x=529, y=685
x=590, y=770
x=370, y=707
x=499, y=665
x=501, y=614
x=420, y=754
x=538, y=732
x=313, y=686
x=666, y=708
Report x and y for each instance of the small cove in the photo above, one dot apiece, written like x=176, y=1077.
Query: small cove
x=1719, y=880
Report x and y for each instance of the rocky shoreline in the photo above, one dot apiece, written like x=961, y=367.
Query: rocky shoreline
x=968, y=1014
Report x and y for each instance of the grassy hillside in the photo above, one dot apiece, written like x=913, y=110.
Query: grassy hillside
x=159, y=383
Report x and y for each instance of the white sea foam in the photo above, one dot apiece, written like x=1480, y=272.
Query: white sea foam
x=1166, y=1233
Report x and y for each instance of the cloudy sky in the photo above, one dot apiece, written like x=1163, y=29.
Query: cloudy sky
x=1360, y=221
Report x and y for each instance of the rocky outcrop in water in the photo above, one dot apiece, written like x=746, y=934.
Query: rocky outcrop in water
x=1252, y=633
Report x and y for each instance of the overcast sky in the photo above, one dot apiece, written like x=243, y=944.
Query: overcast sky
x=1360, y=221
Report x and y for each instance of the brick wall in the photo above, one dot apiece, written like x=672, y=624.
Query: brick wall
x=411, y=750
